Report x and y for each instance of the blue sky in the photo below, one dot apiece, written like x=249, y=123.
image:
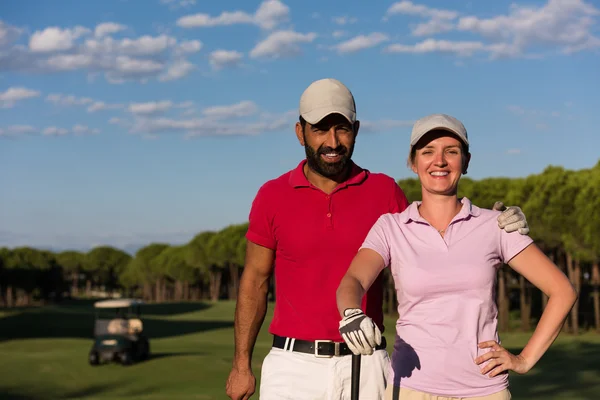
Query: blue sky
x=124, y=122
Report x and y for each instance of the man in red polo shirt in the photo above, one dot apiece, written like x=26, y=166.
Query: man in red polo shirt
x=306, y=226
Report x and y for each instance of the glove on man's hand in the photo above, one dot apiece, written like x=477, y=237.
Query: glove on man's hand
x=511, y=219
x=359, y=332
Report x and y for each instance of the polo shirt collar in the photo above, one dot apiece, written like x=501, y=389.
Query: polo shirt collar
x=298, y=179
x=468, y=208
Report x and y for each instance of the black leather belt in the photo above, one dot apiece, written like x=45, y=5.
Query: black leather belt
x=320, y=348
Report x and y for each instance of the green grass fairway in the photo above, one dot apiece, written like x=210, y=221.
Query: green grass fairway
x=43, y=355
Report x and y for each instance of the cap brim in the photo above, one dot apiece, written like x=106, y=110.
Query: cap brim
x=438, y=128
x=316, y=115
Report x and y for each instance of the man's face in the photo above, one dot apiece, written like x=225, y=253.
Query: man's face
x=328, y=144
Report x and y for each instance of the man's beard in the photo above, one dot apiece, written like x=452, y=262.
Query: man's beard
x=329, y=170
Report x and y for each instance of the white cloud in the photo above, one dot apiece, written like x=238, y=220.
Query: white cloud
x=108, y=28
x=338, y=34
x=177, y=70
x=17, y=130
x=150, y=108
x=563, y=23
x=68, y=100
x=462, y=48
x=83, y=129
x=513, y=151
x=175, y=4
x=409, y=8
x=439, y=20
x=281, y=43
x=54, y=49
x=8, y=34
x=15, y=94
x=432, y=27
x=211, y=127
x=225, y=58
x=54, y=38
x=142, y=46
x=361, y=42
x=78, y=130
x=66, y=62
x=119, y=122
x=126, y=65
x=241, y=109
x=205, y=20
x=269, y=14
x=100, y=106
x=526, y=112
x=190, y=46
x=54, y=131
x=343, y=20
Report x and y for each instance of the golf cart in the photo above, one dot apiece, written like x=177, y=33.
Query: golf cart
x=118, y=332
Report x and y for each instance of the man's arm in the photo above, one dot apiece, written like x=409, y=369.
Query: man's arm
x=250, y=313
x=251, y=302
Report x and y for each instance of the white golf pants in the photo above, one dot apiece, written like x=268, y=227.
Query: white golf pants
x=300, y=376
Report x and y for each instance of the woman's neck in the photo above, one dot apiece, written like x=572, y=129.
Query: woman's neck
x=439, y=210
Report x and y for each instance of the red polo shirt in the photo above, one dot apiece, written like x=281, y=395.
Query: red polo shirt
x=315, y=237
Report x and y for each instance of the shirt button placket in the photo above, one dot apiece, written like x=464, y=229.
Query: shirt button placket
x=329, y=222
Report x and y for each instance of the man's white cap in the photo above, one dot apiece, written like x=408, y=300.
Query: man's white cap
x=325, y=97
x=438, y=121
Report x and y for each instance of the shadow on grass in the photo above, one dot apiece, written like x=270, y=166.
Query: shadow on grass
x=156, y=356
x=567, y=370
x=167, y=309
x=12, y=393
x=75, y=319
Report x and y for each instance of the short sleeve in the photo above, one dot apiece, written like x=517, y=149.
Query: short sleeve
x=260, y=221
x=512, y=244
x=378, y=239
x=399, y=201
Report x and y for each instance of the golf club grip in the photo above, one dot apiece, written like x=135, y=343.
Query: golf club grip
x=355, y=376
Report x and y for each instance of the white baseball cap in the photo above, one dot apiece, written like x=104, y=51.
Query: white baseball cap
x=438, y=121
x=325, y=97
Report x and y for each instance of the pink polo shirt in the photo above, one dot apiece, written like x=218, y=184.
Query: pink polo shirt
x=446, y=304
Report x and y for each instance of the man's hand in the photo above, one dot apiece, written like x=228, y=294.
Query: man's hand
x=241, y=384
x=512, y=219
x=359, y=332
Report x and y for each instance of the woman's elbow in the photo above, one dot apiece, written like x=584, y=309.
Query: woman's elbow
x=568, y=293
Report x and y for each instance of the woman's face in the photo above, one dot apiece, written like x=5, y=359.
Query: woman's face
x=439, y=162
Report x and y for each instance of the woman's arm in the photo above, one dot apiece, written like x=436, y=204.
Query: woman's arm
x=363, y=270
x=538, y=269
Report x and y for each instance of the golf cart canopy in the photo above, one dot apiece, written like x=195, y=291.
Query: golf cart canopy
x=117, y=303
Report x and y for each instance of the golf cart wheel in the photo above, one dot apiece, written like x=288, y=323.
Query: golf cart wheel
x=93, y=358
x=144, y=349
x=125, y=358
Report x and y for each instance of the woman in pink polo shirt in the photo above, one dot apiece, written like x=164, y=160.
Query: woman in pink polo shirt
x=444, y=253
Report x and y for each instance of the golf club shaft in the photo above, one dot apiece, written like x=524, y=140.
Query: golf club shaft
x=355, y=376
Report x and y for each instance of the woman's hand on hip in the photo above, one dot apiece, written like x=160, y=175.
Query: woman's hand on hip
x=500, y=360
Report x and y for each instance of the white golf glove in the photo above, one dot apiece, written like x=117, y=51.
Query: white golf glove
x=512, y=218
x=359, y=332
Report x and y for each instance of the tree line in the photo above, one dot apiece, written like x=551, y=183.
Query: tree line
x=562, y=208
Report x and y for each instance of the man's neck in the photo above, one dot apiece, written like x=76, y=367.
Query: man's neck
x=327, y=185
x=439, y=210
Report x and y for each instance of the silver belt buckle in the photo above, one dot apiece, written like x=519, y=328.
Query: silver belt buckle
x=336, y=347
